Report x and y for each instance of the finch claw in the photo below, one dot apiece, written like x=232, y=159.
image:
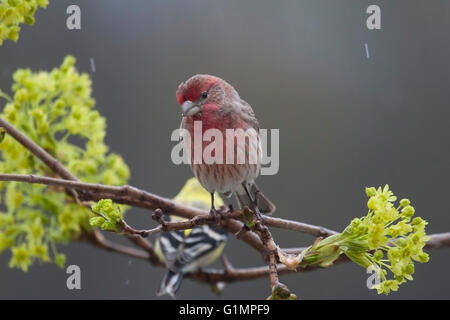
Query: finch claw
x=254, y=208
x=214, y=214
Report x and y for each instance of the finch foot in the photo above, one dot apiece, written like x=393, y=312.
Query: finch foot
x=253, y=203
x=254, y=208
x=214, y=214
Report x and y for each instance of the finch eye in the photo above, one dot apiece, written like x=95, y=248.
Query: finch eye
x=204, y=95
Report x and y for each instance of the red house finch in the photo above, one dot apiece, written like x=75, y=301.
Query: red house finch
x=218, y=106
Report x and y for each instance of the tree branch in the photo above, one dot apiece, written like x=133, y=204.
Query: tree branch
x=140, y=198
x=264, y=234
x=40, y=153
x=260, y=239
x=213, y=276
x=123, y=195
x=232, y=274
x=297, y=226
x=134, y=196
x=97, y=239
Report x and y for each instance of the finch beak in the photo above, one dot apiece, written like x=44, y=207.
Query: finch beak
x=189, y=108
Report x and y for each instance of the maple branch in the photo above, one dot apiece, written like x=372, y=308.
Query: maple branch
x=39, y=152
x=257, y=236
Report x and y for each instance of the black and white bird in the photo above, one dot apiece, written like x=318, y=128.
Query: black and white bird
x=185, y=251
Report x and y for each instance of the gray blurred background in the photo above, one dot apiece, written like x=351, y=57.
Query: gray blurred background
x=346, y=121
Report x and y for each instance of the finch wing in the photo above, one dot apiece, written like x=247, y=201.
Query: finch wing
x=249, y=115
x=241, y=110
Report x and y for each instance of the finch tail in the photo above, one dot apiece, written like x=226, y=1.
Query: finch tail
x=265, y=206
x=170, y=284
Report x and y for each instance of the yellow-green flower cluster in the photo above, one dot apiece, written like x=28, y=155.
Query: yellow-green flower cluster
x=56, y=110
x=15, y=12
x=109, y=216
x=388, y=238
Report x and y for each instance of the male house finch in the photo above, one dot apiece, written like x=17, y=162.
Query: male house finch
x=218, y=106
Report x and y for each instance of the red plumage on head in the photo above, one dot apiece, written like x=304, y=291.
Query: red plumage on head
x=192, y=88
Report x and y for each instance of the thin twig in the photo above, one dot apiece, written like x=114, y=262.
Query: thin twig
x=438, y=240
x=97, y=239
x=297, y=226
x=146, y=246
x=234, y=274
x=184, y=224
x=270, y=246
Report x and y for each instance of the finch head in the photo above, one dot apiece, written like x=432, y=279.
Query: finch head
x=204, y=93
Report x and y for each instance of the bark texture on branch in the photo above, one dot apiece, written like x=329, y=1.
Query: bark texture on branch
x=258, y=238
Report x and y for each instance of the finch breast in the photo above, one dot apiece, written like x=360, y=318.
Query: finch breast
x=225, y=176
